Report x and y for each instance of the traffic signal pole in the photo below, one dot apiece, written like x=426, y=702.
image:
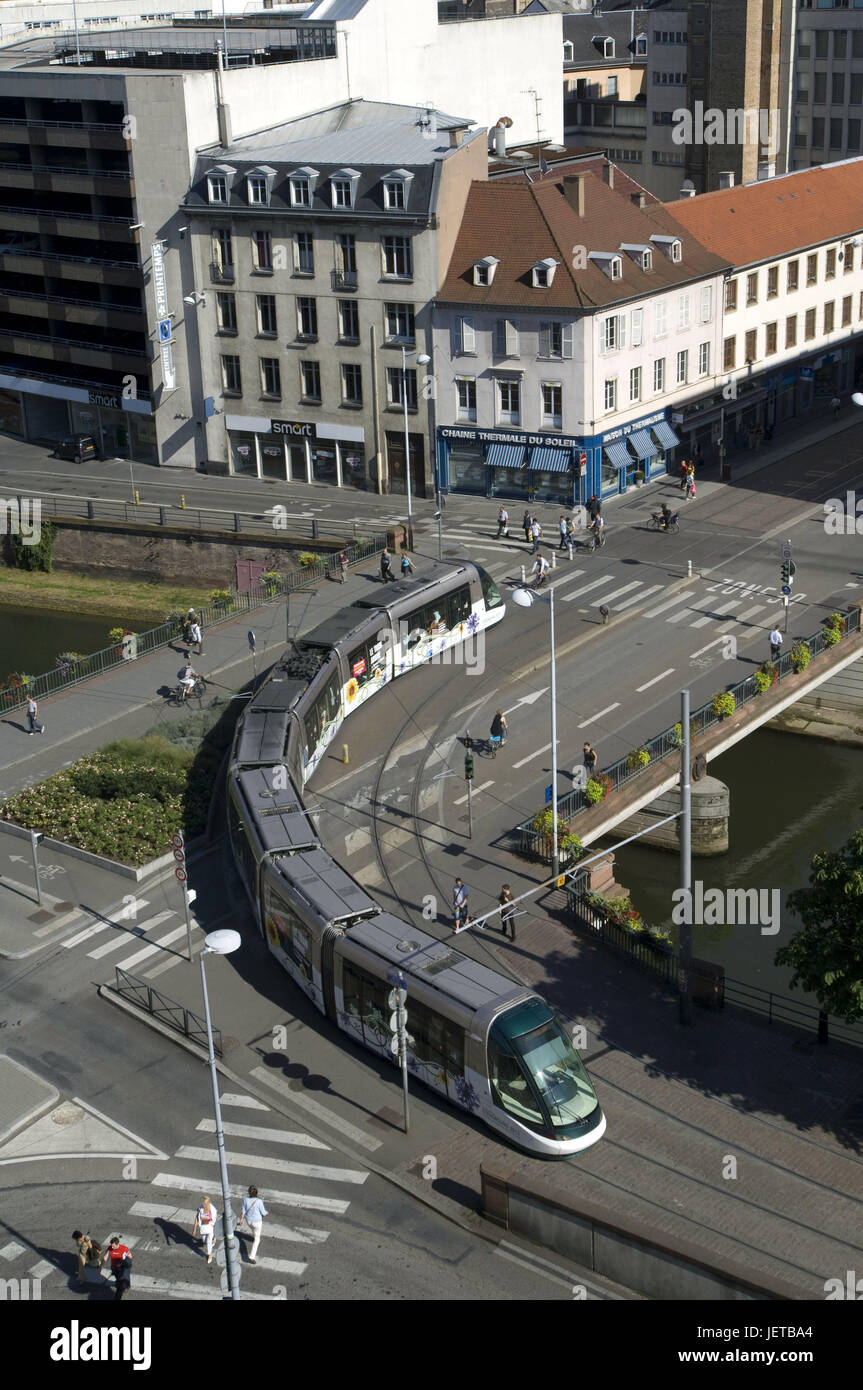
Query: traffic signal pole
x=468, y=777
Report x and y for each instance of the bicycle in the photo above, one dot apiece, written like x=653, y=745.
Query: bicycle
x=181, y=694
x=657, y=522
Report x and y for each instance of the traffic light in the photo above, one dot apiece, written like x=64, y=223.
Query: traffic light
x=786, y=571
x=468, y=767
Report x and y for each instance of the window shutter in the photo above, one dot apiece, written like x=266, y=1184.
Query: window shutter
x=567, y=340
x=621, y=330
x=511, y=339
x=469, y=335
x=544, y=340
x=499, y=338
x=637, y=323
x=706, y=303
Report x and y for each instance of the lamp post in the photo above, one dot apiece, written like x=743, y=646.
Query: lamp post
x=422, y=359
x=525, y=598
x=221, y=943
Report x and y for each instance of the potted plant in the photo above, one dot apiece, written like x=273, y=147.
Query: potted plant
x=221, y=598
x=766, y=676
x=800, y=656
x=723, y=704
x=676, y=734
x=67, y=661
x=271, y=580
x=660, y=941
x=597, y=789
x=569, y=845
x=638, y=758
x=638, y=477
x=308, y=558
x=834, y=629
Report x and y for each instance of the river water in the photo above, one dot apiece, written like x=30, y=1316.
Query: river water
x=31, y=638
x=790, y=797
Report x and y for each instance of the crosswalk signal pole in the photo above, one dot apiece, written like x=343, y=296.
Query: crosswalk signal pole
x=468, y=777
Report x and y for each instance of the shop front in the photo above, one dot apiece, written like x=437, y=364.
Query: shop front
x=45, y=412
x=296, y=451
x=634, y=453
x=522, y=467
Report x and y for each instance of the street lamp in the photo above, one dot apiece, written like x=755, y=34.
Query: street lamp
x=221, y=943
x=422, y=360
x=525, y=598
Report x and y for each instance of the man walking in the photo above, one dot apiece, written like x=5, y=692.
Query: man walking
x=835, y=406
x=502, y=523
x=197, y=636
x=121, y=1260
x=590, y=760
x=775, y=644
x=253, y=1214
x=507, y=913
x=459, y=902
x=536, y=535
x=387, y=567
x=684, y=475
x=32, y=711
x=564, y=533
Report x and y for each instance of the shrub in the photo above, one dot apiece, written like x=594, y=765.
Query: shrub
x=221, y=598
x=835, y=620
x=597, y=789
x=765, y=676
x=834, y=629
x=567, y=841
x=723, y=704
x=639, y=757
x=800, y=656
x=271, y=580
x=677, y=733
x=307, y=559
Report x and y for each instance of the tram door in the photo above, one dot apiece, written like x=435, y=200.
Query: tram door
x=328, y=985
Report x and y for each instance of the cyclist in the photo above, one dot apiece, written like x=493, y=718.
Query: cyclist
x=597, y=526
x=188, y=677
x=665, y=515
x=540, y=569
x=498, y=727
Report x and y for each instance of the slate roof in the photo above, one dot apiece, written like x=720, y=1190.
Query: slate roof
x=582, y=29
x=758, y=221
x=524, y=223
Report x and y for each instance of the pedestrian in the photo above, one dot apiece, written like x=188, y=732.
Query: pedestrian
x=570, y=531
x=835, y=406
x=690, y=486
x=502, y=523
x=540, y=569
x=197, y=637
x=507, y=915
x=697, y=455
x=590, y=760
x=684, y=474
x=459, y=902
x=83, y=1244
x=386, y=566
x=121, y=1260
x=205, y=1221
x=32, y=711
x=526, y=525
x=253, y=1214
x=343, y=565
x=536, y=535
x=775, y=644
x=564, y=534
x=406, y=566
x=594, y=506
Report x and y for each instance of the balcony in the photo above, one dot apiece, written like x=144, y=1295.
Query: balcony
x=72, y=350
x=344, y=279
x=88, y=311
x=221, y=274
x=110, y=388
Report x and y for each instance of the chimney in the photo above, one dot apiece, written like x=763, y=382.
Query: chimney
x=608, y=174
x=639, y=199
x=455, y=137
x=687, y=191
x=726, y=178
x=500, y=141
x=766, y=170
x=573, y=191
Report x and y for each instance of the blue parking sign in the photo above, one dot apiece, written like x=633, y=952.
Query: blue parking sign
x=164, y=330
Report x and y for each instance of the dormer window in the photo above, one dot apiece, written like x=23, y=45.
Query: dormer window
x=259, y=183
x=568, y=52
x=641, y=45
x=640, y=253
x=605, y=45
x=483, y=271
x=343, y=187
x=302, y=182
x=672, y=247
x=542, y=273
x=218, y=183
x=609, y=262
x=397, y=189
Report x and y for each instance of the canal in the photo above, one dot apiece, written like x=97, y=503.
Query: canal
x=32, y=638
x=790, y=797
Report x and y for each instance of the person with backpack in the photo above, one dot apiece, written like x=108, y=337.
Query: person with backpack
x=499, y=727
x=507, y=913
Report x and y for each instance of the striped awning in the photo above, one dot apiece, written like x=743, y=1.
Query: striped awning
x=551, y=460
x=643, y=444
x=505, y=455
x=665, y=434
x=619, y=454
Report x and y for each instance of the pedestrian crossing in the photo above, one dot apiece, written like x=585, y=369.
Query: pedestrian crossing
x=160, y=949
x=157, y=1224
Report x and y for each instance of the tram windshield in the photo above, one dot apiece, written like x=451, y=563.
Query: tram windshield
x=535, y=1038
x=490, y=592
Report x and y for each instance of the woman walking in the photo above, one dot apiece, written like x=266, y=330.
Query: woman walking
x=205, y=1222
x=253, y=1214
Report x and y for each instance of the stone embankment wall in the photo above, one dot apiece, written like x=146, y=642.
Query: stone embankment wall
x=711, y=807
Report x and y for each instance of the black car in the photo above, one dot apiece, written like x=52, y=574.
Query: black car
x=78, y=447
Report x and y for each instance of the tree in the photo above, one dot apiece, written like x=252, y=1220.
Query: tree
x=827, y=955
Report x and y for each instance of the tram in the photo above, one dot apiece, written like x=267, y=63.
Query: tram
x=490, y=1047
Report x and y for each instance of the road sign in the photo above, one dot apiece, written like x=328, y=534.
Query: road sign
x=180, y=856
x=786, y=550
x=786, y=589
x=547, y=795
x=177, y=840
x=164, y=330
x=180, y=873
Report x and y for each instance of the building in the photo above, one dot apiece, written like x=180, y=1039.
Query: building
x=574, y=319
x=319, y=246
x=828, y=86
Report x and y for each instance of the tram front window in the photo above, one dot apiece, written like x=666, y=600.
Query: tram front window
x=537, y=1074
x=490, y=592
x=558, y=1073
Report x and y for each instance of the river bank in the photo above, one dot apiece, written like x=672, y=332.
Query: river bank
x=125, y=603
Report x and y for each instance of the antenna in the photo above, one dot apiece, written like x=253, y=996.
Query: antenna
x=537, y=103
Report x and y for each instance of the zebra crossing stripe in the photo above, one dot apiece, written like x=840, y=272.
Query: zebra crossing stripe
x=607, y=598
x=197, y=948
x=315, y=1109
x=12, y=1251
x=155, y=946
x=274, y=1165
x=664, y=607
x=118, y=942
x=244, y=1102
x=333, y=1206
x=281, y=1266
x=586, y=588
x=636, y=598
x=41, y=1270
x=102, y=925
x=275, y=1136
x=191, y=1293
x=185, y=1216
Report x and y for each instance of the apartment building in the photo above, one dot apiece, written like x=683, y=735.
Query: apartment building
x=828, y=83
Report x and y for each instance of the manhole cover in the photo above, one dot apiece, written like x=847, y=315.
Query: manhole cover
x=67, y=1114
x=228, y=1044
x=41, y=916
x=63, y=907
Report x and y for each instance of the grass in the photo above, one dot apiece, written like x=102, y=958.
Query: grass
x=129, y=601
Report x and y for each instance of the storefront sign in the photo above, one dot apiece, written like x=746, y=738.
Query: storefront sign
x=160, y=284
x=546, y=441
x=636, y=425
x=293, y=427
x=168, y=374
x=103, y=398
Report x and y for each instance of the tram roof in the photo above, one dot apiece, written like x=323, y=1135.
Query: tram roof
x=328, y=890
x=437, y=963
x=434, y=574
x=280, y=820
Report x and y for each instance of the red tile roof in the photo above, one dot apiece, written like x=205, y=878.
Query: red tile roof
x=758, y=221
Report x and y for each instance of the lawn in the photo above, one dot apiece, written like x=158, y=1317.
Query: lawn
x=130, y=601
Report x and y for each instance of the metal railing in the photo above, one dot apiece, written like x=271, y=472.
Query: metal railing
x=61, y=213
x=74, y=343
x=82, y=382
x=175, y=1015
x=638, y=946
x=72, y=673
x=74, y=173
x=79, y=260
x=779, y=1008
x=6, y=293
x=116, y=127
x=621, y=773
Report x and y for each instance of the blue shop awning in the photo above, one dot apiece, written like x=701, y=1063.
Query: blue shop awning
x=665, y=435
x=505, y=455
x=619, y=454
x=643, y=444
x=551, y=460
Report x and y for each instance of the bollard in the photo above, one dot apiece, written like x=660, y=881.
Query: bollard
x=314, y=529
x=183, y=501
x=554, y=559
x=688, y=569
x=522, y=574
x=137, y=498
x=345, y=757
x=570, y=550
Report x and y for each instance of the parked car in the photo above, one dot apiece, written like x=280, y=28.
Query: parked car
x=78, y=447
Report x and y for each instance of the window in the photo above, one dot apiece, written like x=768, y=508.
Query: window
x=226, y=313
x=729, y=354
x=343, y=193
x=812, y=269
x=641, y=45
x=818, y=131
x=399, y=323
x=848, y=257
x=310, y=381
x=683, y=312
x=555, y=340
x=307, y=318
x=830, y=264
x=791, y=331
x=346, y=252
x=793, y=276
x=481, y=274
x=837, y=95
x=257, y=190
x=809, y=327
x=751, y=345
x=301, y=192
x=465, y=397
x=819, y=89
x=752, y=289
x=231, y=380
x=552, y=404
x=217, y=186
x=542, y=274
x=610, y=393
x=262, y=250
x=266, y=314
x=773, y=282
x=637, y=327
x=855, y=96
x=304, y=254
x=352, y=384
x=853, y=140
x=505, y=338
x=846, y=311
x=770, y=341
x=464, y=337
x=271, y=380
x=223, y=254
x=398, y=257
x=659, y=374
x=568, y=52
x=669, y=79
x=394, y=387
x=613, y=333
x=730, y=296
x=706, y=303
x=607, y=46
x=509, y=402
x=394, y=193
x=840, y=36
x=703, y=359
x=612, y=87
x=635, y=383
x=660, y=316
x=349, y=320
x=682, y=367
x=821, y=37
x=829, y=317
